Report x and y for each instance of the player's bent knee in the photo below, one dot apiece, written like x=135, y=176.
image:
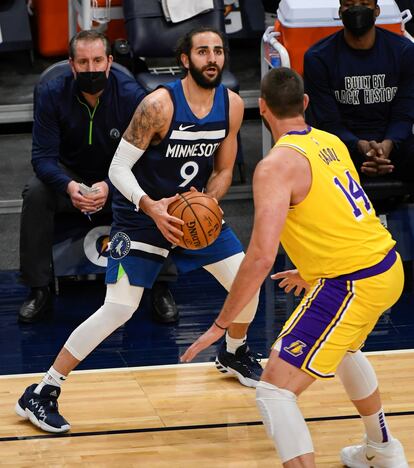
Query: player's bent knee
x=225, y=270
x=123, y=293
x=283, y=421
x=119, y=313
x=96, y=328
x=357, y=375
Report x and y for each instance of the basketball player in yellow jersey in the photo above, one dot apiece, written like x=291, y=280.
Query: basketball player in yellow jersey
x=307, y=195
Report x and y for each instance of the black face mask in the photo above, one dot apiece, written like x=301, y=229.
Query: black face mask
x=358, y=20
x=91, y=82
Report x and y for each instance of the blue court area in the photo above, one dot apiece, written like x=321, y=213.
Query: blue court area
x=26, y=348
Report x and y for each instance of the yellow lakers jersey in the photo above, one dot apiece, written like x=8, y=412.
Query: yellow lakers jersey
x=334, y=230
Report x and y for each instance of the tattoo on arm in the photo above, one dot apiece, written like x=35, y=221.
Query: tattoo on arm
x=148, y=121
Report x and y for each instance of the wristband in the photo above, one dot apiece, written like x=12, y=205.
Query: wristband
x=219, y=326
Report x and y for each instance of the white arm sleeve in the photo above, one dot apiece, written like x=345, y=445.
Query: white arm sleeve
x=120, y=171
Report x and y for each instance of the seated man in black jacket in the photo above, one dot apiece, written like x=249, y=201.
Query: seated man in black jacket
x=79, y=120
x=360, y=81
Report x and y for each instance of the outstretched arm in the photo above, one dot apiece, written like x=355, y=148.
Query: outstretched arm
x=273, y=183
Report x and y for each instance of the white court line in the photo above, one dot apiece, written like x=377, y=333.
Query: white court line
x=118, y=369
x=391, y=351
x=176, y=366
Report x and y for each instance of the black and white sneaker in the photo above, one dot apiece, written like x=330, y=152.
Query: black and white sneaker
x=42, y=410
x=244, y=365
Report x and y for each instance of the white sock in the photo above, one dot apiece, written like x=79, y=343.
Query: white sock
x=232, y=344
x=376, y=428
x=52, y=377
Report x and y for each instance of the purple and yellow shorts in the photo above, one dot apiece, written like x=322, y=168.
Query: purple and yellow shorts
x=337, y=315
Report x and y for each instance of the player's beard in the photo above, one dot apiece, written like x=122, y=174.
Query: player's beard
x=198, y=75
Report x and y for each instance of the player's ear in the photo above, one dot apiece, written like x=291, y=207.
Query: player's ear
x=262, y=106
x=185, y=61
x=72, y=65
x=305, y=101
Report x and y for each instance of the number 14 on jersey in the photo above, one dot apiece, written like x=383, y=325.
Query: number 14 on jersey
x=354, y=194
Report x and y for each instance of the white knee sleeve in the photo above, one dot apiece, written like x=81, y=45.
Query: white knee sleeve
x=225, y=272
x=123, y=293
x=357, y=375
x=283, y=421
x=121, y=302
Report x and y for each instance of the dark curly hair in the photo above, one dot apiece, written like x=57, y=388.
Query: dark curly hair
x=185, y=43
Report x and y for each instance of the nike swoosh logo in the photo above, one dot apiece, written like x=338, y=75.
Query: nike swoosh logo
x=369, y=458
x=182, y=127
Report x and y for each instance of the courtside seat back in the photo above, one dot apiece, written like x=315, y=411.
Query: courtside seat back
x=150, y=35
x=15, y=31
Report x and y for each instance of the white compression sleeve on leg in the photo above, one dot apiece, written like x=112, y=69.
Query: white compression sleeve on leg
x=225, y=271
x=283, y=421
x=357, y=375
x=120, y=171
x=360, y=381
x=121, y=302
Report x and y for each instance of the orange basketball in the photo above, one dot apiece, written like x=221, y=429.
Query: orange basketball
x=202, y=219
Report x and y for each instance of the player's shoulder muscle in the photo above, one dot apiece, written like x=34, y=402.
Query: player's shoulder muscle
x=151, y=117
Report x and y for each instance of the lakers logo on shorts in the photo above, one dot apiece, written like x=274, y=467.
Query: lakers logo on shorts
x=120, y=245
x=295, y=348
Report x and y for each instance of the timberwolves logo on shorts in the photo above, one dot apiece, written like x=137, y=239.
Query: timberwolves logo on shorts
x=120, y=245
x=295, y=348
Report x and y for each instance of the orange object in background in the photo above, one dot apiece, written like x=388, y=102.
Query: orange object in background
x=52, y=30
x=301, y=24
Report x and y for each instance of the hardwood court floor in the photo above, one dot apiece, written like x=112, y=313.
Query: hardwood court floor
x=189, y=416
